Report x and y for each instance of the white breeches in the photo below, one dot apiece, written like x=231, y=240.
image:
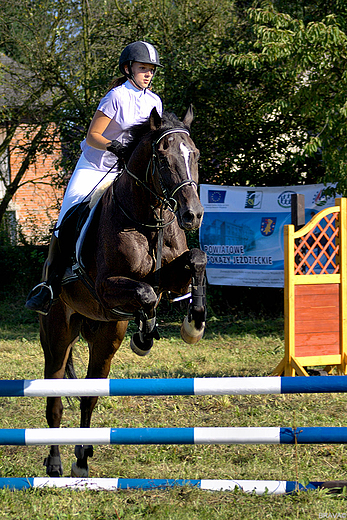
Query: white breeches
x=82, y=183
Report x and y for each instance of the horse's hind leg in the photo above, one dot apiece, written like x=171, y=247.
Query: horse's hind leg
x=57, y=334
x=104, y=339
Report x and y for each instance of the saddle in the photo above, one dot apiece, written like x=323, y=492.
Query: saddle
x=74, y=229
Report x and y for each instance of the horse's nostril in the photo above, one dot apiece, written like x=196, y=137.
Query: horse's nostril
x=189, y=216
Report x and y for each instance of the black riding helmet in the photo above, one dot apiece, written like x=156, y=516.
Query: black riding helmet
x=142, y=52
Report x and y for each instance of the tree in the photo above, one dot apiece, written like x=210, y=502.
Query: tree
x=29, y=102
x=70, y=52
x=300, y=69
x=268, y=88
x=49, y=81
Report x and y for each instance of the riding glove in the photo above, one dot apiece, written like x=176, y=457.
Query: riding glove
x=116, y=148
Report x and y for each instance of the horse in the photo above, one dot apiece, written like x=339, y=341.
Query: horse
x=134, y=251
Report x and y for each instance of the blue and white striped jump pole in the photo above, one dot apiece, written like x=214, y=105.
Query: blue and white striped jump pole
x=187, y=386
x=209, y=435
x=259, y=487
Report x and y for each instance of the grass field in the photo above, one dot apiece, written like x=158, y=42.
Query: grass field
x=231, y=347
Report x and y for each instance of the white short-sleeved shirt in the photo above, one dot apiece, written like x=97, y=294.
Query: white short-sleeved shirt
x=125, y=106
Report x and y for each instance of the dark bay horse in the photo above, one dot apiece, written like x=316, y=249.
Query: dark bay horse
x=135, y=250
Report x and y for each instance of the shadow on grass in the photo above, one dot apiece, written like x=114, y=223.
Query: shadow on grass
x=228, y=326
x=183, y=372
x=16, y=322
x=28, y=334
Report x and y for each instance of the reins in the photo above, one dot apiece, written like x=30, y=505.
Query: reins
x=166, y=200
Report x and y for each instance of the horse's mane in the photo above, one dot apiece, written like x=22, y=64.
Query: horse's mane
x=138, y=131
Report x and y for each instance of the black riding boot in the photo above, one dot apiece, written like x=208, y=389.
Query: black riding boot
x=49, y=289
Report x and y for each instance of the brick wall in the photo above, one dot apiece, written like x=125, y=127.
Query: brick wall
x=37, y=201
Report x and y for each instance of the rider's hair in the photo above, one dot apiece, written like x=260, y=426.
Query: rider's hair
x=116, y=82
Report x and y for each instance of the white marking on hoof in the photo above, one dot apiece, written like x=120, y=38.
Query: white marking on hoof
x=79, y=472
x=189, y=333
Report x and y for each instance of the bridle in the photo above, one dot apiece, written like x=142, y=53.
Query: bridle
x=166, y=202
x=159, y=165
x=166, y=198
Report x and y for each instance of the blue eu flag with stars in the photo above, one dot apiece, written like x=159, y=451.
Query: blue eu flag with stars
x=216, y=196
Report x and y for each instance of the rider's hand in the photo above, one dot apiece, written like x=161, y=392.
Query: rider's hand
x=116, y=148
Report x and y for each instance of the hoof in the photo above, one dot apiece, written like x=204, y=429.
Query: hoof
x=189, y=333
x=140, y=348
x=53, y=465
x=79, y=472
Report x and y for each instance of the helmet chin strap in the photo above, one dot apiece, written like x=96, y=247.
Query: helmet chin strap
x=131, y=76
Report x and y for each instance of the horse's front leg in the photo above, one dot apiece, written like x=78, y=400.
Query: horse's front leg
x=136, y=298
x=190, y=267
x=193, y=326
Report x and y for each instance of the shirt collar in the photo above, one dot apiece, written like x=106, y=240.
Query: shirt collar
x=130, y=86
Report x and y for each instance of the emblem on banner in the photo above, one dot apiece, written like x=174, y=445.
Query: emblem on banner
x=216, y=196
x=320, y=198
x=285, y=199
x=254, y=199
x=267, y=226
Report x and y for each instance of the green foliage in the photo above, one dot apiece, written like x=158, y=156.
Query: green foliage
x=72, y=48
x=267, y=80
x=305, y=64
x=20, y=269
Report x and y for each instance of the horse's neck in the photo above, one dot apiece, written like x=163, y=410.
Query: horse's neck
x=136, y=198
x=135, y=188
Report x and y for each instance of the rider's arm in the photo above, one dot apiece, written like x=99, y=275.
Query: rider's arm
x=97, y=127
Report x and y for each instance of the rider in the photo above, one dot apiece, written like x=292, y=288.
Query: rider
x=129, y=101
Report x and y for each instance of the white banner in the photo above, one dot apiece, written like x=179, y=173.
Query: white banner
x=242, y=231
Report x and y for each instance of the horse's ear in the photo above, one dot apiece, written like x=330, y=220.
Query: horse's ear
x=154, y=120
x=188, y=118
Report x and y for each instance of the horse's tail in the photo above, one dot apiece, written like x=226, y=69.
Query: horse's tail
x=70, y=369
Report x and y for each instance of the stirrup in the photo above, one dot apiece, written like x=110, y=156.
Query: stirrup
x=40, y=307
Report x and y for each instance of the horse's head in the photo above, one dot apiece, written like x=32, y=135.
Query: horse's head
x=162, y=159
x=175, y=175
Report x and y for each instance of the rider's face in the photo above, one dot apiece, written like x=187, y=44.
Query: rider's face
x=143, y=73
